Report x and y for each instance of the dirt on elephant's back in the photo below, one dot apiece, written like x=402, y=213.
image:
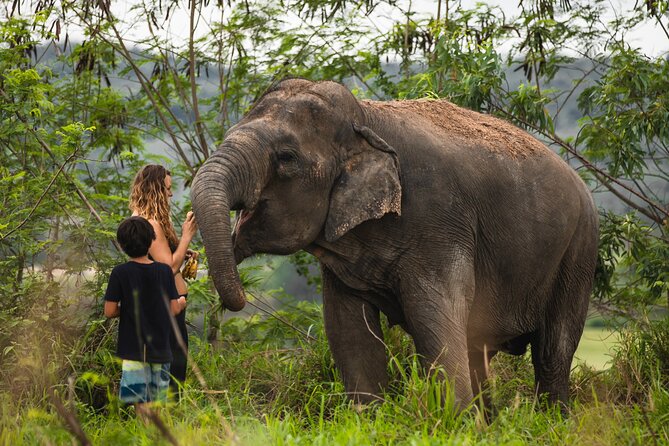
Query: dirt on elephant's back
x=493, y=133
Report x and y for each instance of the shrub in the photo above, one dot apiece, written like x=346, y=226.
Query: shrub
x=641, y=360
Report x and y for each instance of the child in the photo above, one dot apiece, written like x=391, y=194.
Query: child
x=139, y=292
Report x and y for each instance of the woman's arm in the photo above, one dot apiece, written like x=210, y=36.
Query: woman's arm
x=160, y=248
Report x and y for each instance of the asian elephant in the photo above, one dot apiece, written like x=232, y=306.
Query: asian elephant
x=465, y=230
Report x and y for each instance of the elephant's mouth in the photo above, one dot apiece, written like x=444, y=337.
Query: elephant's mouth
x=242, y=217
x=241, y=249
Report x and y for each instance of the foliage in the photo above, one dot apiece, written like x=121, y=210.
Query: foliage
x=642, y=359
x=305, y=266
x=632, y=273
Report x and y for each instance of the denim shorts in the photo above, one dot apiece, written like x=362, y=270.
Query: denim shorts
x=142, y=382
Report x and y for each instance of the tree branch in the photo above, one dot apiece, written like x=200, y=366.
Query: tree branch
x=624, y=199
x=144, y=82
x=47, y=149
x=193, y=86
x=39, y=200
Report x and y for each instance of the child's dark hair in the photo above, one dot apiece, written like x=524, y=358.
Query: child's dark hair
x=135, y=235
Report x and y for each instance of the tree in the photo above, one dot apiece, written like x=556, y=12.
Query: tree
x=71, y=137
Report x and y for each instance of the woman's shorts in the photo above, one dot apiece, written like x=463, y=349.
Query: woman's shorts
x=142, y=382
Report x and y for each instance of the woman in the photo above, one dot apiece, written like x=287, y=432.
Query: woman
x=150, y=198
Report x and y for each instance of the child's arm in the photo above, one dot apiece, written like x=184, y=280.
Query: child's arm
x=112, y=294
x=175, y=306
x=112, y=309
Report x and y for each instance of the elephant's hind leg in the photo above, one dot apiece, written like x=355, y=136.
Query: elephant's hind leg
x=552, y=353
x=555, y=341
x=353, y=329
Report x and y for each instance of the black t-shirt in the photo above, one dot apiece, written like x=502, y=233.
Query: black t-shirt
x=144, y=290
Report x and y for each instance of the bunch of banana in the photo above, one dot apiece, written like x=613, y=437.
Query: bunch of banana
x=189, y=271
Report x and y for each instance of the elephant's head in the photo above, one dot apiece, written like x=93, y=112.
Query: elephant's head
x=299, y=166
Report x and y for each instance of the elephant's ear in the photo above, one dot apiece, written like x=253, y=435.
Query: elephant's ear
x=368, y=187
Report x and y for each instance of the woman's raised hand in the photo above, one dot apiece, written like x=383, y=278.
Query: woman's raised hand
x=189, y=228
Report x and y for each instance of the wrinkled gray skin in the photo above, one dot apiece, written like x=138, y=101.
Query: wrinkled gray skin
x=474, y=238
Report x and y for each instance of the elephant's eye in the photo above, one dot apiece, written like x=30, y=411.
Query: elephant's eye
x=287, y=163
x=286, y=157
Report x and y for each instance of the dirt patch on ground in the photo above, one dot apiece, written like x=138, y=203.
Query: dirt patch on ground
x=466, y=125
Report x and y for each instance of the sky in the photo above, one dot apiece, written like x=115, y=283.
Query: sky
x=650, y=37
x=645, y=37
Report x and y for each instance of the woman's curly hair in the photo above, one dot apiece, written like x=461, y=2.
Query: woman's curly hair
x=149, y=198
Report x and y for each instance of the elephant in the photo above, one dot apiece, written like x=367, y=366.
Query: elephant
x=465, y=230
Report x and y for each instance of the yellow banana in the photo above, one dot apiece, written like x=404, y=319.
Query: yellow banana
x=193, y=269
x=189, y=270
x=193, y=273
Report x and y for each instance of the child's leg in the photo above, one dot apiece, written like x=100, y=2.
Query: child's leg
x=143, y=412
x=160, y=380
x=135, y=378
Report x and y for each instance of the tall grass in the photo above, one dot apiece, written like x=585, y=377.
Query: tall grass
x=266, y=383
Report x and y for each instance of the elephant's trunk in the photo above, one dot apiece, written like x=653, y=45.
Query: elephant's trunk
x=225, y=181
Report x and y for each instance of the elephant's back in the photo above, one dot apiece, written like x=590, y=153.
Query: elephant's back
x=485, y=159
x=460, y=125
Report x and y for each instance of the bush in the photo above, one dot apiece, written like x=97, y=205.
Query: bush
x=641, y=360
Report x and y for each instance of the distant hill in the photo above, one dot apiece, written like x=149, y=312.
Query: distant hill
x=566, y=123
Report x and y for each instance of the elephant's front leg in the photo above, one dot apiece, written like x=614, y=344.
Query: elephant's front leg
x=436, y=312
x=354, y=333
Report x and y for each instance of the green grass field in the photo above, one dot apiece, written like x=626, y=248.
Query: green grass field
x=595, y=347
x=262, y=383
